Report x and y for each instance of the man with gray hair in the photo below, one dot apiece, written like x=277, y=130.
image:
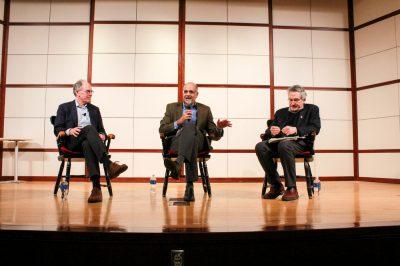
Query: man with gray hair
x=299, y=119
x=81, y=122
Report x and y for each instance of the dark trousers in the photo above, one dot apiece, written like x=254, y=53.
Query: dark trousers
x=286, y=151
x=187, y=142
x=93, y=148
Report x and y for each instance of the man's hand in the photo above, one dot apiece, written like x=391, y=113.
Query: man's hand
x=75, y=131
x=223, y=123
x=289, y=130
x=102, y=137
x=187, y=115
x=275, y=130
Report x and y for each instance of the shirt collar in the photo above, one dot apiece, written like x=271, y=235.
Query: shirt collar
x=77, y=104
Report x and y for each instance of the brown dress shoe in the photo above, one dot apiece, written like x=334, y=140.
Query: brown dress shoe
x=290, y=194
x=95, y=196
x=274, y=192
x=114, y=169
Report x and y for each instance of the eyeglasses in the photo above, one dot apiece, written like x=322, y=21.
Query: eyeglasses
x=189, y=91
x=88, y=91
x=296, y=100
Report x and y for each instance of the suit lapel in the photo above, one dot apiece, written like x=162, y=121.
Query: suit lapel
x=74, y=113
x=178, y=111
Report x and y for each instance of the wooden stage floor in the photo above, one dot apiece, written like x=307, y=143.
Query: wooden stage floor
x=233, y=207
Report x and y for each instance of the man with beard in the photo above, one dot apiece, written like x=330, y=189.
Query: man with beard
x=299, y=119
x=189, y=122
x=81, y=123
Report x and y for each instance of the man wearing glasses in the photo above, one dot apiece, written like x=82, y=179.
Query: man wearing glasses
x=189, y=122
x=82, y=123
x=299, y=119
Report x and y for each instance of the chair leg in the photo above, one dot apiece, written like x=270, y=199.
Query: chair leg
x=317, y=182
x=108, y=180
x=309, y=180
x=207, y=178
x=202, y=175
x=165, y=186
x=68, y=173
x=60, y=171
x=264, y=187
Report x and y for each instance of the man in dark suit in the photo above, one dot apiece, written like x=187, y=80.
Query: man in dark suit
x=81, y=122
x=299, y=119
x=189, y=122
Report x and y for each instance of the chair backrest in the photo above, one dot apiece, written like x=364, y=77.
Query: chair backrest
x=52, y=119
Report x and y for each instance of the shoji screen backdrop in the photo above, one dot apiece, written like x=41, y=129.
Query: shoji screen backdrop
x=137, y=54
x=377, y=58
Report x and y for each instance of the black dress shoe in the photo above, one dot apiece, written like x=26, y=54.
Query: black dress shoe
x=290, y=194
x=189, y=193
x=173, y=167
x=274, y=192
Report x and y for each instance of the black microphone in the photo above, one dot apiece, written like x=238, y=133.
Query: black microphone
x=84, y=114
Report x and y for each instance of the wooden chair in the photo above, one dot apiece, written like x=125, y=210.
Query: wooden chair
x=66, y=155
x=202, y=157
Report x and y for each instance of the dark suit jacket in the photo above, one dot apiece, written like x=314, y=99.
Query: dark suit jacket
x=309, y=122
x=67, y=117
x=204, y=124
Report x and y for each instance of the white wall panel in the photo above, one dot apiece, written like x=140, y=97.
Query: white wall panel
x=66, y=69
x=157, y=39
x=51, y=165
x=290, y=71
x=245, y=69
x=206, y=68
x=292, y=43
x=148, y=164
x=146, y=134
x=27, y=128
x=164, y=10
x=251, y=11
x=329, y=102
x=28, y=40
x=292, y=13
x=114, y=102
x=206, y=39
x=244, y=165
x=245, y=133
x=113, y=68
x=331, y=73
x=49, y=137
x=70, y=11
x=329, y=13
x=2, y=9
x=375, y=38
x=378, y=102
x=335, y=164
x=25, y=102
x=30, y=11
x=210, y=10
x=216, y=99
x=330, y=44
x=248, y=103
x=156, y=68
x=69, y=40
x=114, y=38
x=122, y=128
x=366, y=10
x=55, y=97
x=384, y=165
x=121, y=10
x=335, y=135
x=26, y=69
x=151, y=102
x=376, y=68
x=218, y=165
x=29, y=164
x=248, y=40
x=381, y=133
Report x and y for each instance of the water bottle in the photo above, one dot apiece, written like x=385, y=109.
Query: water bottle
x=153, y=183
x=64, y=187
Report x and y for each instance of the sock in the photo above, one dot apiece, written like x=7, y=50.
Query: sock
x=96, y=181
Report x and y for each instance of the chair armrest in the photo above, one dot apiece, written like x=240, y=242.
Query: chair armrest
x=61, y=134
x=110, y=136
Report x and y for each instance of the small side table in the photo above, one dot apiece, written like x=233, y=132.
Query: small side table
x=16, y=142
